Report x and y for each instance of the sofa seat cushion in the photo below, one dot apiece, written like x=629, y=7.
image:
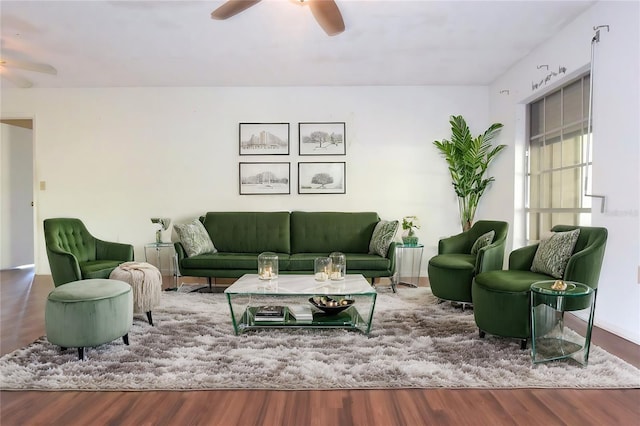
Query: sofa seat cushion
x=305, y=261
x=98, y=268
x=361, y=261
x=355, y=261
x=231, y=261
x=509, y=281
x=454, y=261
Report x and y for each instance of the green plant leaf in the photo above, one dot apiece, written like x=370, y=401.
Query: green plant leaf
x=468, y=159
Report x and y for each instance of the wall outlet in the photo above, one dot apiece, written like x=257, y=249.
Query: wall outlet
x=43, y=185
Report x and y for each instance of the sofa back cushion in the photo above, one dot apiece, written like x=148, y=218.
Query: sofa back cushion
x=324, y=232
x=249, y=232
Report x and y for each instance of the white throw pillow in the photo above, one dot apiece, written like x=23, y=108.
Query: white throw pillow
x=482, y=241
x=194, y=238
x=553, y=254
x=382, y=237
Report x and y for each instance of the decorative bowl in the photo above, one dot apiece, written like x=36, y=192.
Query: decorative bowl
x=329, y=305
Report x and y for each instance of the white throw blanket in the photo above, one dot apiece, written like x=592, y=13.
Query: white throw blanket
x=145, y=281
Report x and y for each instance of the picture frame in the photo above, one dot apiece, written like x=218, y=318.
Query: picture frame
x=263, y=138
x=322, y=138
x=322, y=177
x=264, y=178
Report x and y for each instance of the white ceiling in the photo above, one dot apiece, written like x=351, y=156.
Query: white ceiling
x=276, y=42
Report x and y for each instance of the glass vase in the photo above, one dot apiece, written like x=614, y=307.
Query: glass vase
x=267, y=266
x=322, y=268
x=338, y=266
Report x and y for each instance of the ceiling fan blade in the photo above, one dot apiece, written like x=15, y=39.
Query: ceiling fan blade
x=15, y=79
x=231, y=8
x=29, y=66
x=328, y=16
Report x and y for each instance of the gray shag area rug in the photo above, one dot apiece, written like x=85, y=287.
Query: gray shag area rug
x=414, y=343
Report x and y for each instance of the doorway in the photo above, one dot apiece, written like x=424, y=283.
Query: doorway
x=17, y=218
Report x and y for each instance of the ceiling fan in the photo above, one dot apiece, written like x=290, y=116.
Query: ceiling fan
x=326, y=12
x=6, y=66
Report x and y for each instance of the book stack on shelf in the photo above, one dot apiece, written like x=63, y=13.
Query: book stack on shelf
x=270, y=313
x=302, y=313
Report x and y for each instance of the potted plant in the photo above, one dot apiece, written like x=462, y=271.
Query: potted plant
x=409, y=225
x=468, y=159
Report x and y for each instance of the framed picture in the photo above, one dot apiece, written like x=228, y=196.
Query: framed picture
x=322, y=178
x=322, y=139
x=264, y=178
x=264, y=138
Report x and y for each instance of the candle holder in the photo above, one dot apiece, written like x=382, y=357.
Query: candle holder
x=267, y=266
x=322, y=268
x=338, y=266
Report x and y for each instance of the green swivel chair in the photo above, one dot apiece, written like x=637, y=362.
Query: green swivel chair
x=74, y=254
x=453, y=269
x=501, y=299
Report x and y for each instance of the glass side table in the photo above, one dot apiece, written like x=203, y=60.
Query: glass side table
x=408, y=261
x=549, y=339
x=163, y=256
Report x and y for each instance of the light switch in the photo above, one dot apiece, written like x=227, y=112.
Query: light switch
x=43, y=185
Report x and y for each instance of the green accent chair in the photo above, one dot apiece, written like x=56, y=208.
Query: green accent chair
x=89, y=313
x=452, y=270
x=74, y=254
x=501, y=299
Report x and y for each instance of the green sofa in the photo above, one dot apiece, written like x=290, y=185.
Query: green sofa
x=297, y=238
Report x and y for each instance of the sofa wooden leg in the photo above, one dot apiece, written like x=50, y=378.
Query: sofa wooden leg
x=150, y=318
x=523, y=344
x=125, y=339
x=481, y=333
x=81, y=354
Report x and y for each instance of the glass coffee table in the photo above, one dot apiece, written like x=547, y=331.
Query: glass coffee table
x=294, y=293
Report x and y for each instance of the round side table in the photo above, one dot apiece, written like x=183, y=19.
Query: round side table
x=550, y=340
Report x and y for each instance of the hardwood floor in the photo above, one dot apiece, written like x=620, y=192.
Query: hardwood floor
x=22, y=299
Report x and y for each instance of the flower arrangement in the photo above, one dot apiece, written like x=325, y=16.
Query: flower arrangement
x=410, y=223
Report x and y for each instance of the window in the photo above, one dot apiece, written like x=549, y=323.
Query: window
x=559, y=160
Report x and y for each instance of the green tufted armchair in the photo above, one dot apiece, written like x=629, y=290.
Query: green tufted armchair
x=74, y=254
x=452, y=270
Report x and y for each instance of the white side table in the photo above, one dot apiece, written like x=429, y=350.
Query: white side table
x=163, y=256
x=408, y=261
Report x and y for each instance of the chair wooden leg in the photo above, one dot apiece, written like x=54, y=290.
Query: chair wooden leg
x=150, y=318
x=125, y=339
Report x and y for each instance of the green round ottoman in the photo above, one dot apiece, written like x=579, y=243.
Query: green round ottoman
x=89, y=313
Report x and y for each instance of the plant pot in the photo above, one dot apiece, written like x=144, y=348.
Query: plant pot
x=410, y=240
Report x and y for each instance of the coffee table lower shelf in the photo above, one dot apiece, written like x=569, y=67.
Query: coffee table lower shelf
x=349, y=319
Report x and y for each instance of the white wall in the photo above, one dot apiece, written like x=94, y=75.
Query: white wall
x=117, y=157
x=16, y=191
x=616, y=135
